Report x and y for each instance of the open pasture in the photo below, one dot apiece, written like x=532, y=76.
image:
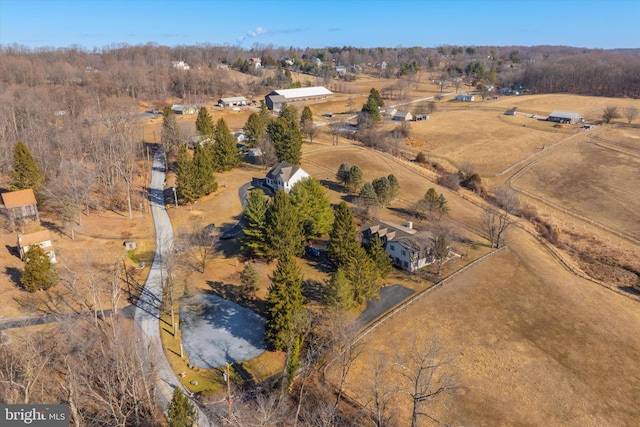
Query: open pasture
x=591, y=107
x=594, y=181
x=480, y=137
x=532, y=345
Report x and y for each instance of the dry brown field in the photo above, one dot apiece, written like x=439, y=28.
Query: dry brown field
x=533, y=345
x=595, y=181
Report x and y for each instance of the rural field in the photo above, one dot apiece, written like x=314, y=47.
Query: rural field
x=531, y=345
x=595, y=181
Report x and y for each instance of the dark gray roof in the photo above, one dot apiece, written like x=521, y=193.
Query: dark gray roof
x=284, y=170
x=387, y=231
x=419, y=243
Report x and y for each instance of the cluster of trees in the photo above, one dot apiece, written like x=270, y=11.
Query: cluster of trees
x=287, y=221
x=215, y=152
x=355, y=281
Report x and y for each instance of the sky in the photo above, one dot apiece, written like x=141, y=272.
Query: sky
x=92, y=24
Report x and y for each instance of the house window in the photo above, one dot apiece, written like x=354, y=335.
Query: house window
x=393, y=248
x=404, y=253
x=406, y=264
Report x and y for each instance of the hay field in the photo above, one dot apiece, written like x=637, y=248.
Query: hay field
x=590, y=107
x=592, y=180
x=481, y=137
x=533, y=345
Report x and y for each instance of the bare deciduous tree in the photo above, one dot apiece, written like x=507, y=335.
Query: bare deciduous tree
x=495, y=223
x=425, y=375
x=630, y=114
x=440, y=245
x=610, y=113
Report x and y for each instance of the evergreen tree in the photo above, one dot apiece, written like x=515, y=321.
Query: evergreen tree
x=443, y=207
x=343, y=236
x=430, y=201
x=249, y=281
x=255, y=230
x=180, y=411
x=375, y=95
x=284, y=228
x=343, y=173
x=368, y=195
x=205, y=182
x=313, y=206
x=394, y=187
x=306, y=115
x=371, y=109
x=204, y=122
x=284, y=302
x=381, y=259
x=38, y=271
x=355, y=179
x=225, y=150
x=286, y=136
x=339, y=291
x=170, y=136
x=185, y=176
x=290, y=113
x=254, y=130
x=382, y=187
x=362, y=273
x=26, y=173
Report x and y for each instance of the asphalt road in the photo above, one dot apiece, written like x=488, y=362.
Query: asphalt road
x=148, y=306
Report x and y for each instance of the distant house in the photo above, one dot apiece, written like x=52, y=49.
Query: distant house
x=180, y=65
x=389, y=111
x=42, y=238
x=284, y=176
x=383, y=65
x=409, y=249
x=233, y=101
x=341, y=70
x=403, y=116
x=20, y=205
x=183, y=109
x=565, y=117
x=275, y=99
x=256, y=62
x=464, y=97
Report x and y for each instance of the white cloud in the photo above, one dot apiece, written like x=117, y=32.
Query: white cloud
x=257, y=32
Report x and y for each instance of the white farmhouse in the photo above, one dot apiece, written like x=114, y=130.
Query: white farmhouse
x=408, y=248
x=284, y=175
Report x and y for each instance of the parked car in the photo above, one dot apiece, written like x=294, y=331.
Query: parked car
x=313, y=251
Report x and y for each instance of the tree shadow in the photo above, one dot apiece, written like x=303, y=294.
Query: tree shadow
x=232, y=293
x=332, y=185
x=13, y=250
x=630, y=290
x=14, y=275
x=349, y=198
x=313, y=290
x=52, y=226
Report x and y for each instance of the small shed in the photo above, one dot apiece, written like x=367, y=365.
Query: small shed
x=403, y=116
x=129, y=245
x=42, y=238
x=421, y=117
x=21, y=205
x=465, y=97
x=234, y=101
